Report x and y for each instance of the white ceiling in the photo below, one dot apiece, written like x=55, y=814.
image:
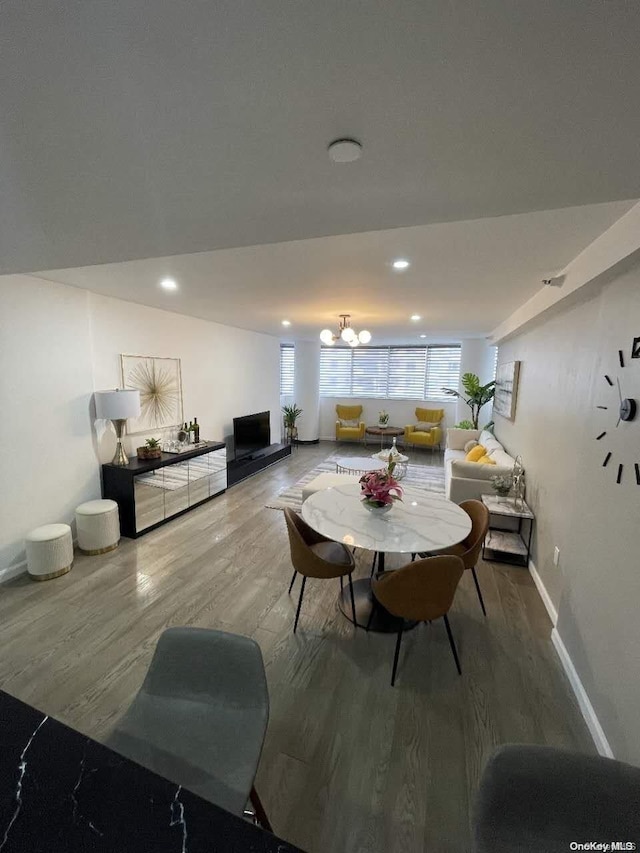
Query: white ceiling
x=464, y=279
x=132, y=129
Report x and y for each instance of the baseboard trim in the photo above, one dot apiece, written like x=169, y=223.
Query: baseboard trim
x=13, y=571
x=584, y=703
x=544, y=595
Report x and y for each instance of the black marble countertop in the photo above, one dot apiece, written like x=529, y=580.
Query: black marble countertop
x=62, y=792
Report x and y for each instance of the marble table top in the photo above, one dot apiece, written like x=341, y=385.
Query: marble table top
x=422, y=521
x=506, y=506
x=62, y=792
x=360, y=463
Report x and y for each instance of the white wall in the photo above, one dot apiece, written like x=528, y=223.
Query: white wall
x=578, y=505
x=57, y=345
x=226, y=372
x=48, y=461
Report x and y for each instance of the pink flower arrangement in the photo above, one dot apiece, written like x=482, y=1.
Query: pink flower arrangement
x=379, y=488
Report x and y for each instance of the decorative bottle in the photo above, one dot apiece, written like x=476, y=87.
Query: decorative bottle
x=196, y=431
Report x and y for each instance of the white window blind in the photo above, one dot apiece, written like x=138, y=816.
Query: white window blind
x=369, y=371
x=287, y=369
x=443, y=370
x=335, y=372
x=407, y=367
x=409, y=373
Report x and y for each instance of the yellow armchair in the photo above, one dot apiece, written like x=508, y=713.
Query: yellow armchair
x=349, y=433
x=419, y=438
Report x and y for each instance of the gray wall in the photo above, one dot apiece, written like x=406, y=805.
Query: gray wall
x=579, y=506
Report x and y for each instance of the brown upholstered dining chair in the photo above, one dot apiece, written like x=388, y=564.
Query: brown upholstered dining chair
x=315, y=556
x=469, y=549
x=421, y=591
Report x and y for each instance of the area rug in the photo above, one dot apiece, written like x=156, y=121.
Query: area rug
x=427, y=477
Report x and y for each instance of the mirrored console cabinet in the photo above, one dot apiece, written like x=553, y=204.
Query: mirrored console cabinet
x=151, y=491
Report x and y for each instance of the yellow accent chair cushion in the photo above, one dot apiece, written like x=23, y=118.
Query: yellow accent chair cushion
x=419, y=438
x=486, y=460
x=349, y=433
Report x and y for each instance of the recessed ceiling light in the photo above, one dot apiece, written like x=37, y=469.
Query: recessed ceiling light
x=423, y=336
x=286, y=322
x=345, y=150
x=416, y=317
x=400, y=264
x=169, y=284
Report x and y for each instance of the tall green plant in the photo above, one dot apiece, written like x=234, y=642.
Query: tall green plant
x=475, y=395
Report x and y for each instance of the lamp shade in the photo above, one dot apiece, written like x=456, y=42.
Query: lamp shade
x=117, y=405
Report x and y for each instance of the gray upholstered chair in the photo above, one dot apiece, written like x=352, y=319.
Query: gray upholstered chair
x=537, y=798
x=200, y=716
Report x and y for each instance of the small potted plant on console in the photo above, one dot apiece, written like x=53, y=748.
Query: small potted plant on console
x=150, y=450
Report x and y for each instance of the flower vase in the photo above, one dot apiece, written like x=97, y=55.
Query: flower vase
x=376, y=508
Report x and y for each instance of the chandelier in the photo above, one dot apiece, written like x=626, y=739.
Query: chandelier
x=345, y=333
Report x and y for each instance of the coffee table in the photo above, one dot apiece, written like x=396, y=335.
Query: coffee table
x=359, y=465
x=420, y=522
x=382, y=433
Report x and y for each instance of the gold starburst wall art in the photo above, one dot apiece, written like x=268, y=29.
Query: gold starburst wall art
x=159, y=382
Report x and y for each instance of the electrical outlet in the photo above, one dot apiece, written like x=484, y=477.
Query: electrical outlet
x=556, y=556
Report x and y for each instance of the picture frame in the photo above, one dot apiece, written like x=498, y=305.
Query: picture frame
x=159, y=381
x=506, y=389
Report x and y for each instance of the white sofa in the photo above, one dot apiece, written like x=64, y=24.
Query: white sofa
x=468, y=480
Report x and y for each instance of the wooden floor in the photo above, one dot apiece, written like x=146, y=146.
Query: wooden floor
x=349, y=764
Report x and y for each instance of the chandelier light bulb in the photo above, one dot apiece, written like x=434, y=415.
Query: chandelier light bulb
x=348, y=334
x=364, y=337
x=326, y=336
x=354, y=341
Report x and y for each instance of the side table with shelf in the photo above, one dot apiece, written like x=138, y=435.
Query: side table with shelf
x=508, y=545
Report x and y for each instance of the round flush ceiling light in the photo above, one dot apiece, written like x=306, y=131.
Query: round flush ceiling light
x=286, y=322
x=169, y=284
x=345, y=150
x=400, y=264
x=416, y=317
x=423, y=336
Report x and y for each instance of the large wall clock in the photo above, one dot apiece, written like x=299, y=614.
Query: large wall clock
x=625, y=408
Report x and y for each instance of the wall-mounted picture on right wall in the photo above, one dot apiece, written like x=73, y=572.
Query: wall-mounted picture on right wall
x=504, y=401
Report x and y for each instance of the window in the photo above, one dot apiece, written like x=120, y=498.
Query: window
x=335, y=372
x=287, y=369
x=443, y=370
x=404, y=373
x=495, y=362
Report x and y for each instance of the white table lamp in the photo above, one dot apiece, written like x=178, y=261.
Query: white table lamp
x=117, y=406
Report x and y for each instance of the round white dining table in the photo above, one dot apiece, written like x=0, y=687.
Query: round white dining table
x=422, y=521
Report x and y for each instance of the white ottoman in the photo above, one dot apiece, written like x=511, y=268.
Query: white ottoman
x=98, y=526
x=326, y=481
x=49, y=551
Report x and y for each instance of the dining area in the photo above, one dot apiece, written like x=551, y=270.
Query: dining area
x=433, y=539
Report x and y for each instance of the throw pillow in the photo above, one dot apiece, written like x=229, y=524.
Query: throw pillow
x=424, y=426
x=470, y=445
x=486, y=460
x=351, y=423
x=475, y=454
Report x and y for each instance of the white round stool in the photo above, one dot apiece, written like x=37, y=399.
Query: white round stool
x=49, y=551
x=98, y=526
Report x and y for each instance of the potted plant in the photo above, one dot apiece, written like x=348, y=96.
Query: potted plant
x=383, y=418
x=150, y=450
x=379, y=489
x=502, y=484
x=475, y=395
x=291, y=414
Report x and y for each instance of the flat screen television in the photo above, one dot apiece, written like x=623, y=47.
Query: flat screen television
x=251, y=434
